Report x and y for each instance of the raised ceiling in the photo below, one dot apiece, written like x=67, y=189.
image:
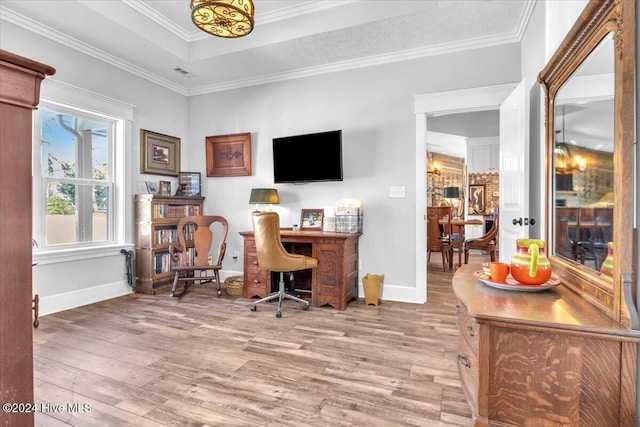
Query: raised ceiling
x=153, y=38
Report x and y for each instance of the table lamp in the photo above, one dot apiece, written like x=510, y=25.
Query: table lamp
x=451, y=194
x=264, y=196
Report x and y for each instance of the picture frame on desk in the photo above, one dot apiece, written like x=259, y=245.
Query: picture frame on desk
x=159, y=154
x=311, y=219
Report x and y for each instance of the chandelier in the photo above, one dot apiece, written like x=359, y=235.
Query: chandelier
x=223, y=18
x=565, y=161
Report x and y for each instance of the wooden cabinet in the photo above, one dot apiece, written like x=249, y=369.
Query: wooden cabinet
x=542, y=358
x=156, y=228
x=333, y=282
x=20, y=80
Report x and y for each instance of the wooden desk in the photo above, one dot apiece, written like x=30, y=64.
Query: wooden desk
x=333, y=282
x=457, y=226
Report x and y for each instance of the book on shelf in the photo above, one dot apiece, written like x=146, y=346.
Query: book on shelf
x=165, y=210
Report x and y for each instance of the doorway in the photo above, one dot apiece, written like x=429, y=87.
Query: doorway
x=461, y=101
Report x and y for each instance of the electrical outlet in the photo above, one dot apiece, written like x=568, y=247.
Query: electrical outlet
x=236, y=255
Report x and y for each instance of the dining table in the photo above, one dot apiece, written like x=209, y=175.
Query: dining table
x=455, y=226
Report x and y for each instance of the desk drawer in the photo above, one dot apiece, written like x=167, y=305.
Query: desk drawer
x=256, y=284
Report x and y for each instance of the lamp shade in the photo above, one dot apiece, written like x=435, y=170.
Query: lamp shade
x=450, y=193
x=264, y=196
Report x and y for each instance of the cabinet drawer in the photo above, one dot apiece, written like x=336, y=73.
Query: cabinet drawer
x=469, y=329
x=468, y=368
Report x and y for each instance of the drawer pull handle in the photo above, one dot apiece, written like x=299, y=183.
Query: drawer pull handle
x=256, y=281
x=255, y=262
x=464, y=359
x=470, y=331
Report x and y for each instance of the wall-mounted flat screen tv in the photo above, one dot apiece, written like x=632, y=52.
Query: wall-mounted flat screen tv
x=308, y=158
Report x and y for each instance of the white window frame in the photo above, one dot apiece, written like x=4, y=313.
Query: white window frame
x=62, y=97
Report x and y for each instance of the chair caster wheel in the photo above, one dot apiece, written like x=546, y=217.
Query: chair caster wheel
x=278, y=314
x=305, y=307
x=219, y=293
x=253, y=308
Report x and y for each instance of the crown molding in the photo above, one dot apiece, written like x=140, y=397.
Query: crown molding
x=150, y=13
x=351, y=64
x=305, y=8
x=80, y=46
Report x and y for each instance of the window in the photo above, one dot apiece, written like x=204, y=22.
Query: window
x=81, y=203
x=76, y=179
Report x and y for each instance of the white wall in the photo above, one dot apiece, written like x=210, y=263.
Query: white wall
x=65, y=281
x=374, y=108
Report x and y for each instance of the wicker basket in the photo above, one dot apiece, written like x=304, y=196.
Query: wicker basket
x=233, y=285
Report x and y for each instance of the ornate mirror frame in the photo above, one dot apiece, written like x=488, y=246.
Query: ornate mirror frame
x=600, y=18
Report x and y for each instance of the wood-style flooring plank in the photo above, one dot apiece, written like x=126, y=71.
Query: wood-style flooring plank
x=200, y=360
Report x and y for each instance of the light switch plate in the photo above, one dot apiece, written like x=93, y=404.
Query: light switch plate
x=397, y=192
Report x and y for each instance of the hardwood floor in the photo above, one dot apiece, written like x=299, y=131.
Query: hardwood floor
x=206, y=361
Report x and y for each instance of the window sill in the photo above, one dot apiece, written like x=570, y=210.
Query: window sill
x=75, y=254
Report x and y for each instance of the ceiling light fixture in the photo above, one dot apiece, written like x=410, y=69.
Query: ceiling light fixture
x=223, y=18
x=565, y=161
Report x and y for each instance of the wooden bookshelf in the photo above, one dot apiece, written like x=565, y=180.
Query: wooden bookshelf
x=157, y=218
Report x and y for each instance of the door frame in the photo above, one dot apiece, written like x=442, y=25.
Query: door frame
x=450, y=102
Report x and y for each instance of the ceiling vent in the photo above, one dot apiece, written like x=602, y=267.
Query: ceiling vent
x=183, y=72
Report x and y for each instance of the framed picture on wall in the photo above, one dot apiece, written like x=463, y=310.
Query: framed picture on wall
x=311, y=219
x=477, y=198
x=228, y=155
x=159, y=154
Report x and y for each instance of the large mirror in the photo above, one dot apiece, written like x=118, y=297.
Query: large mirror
x=589, y=133
x=582, y=163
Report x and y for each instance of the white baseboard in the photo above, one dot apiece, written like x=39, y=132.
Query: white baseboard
x=60, y=302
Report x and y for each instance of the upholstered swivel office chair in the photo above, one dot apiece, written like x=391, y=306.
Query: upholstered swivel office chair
x=187, y=260
x=272, y=256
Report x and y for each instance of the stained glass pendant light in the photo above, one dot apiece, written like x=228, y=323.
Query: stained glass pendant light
x=223, y=18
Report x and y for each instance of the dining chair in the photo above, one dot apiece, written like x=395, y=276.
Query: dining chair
x=487, y=242
x=438, y=237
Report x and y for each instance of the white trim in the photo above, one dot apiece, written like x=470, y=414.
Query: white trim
x=467, y=100
x=58, y=92
x=463, y=101
x=68, y=96
x=351, y=64
x=80, y=46
x=68, y=300
x=421, y=209
x=77, y=254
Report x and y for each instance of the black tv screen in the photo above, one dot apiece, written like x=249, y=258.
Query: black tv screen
x=307, y=158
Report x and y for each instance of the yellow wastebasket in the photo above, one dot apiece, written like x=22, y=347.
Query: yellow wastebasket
x=372, y=284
